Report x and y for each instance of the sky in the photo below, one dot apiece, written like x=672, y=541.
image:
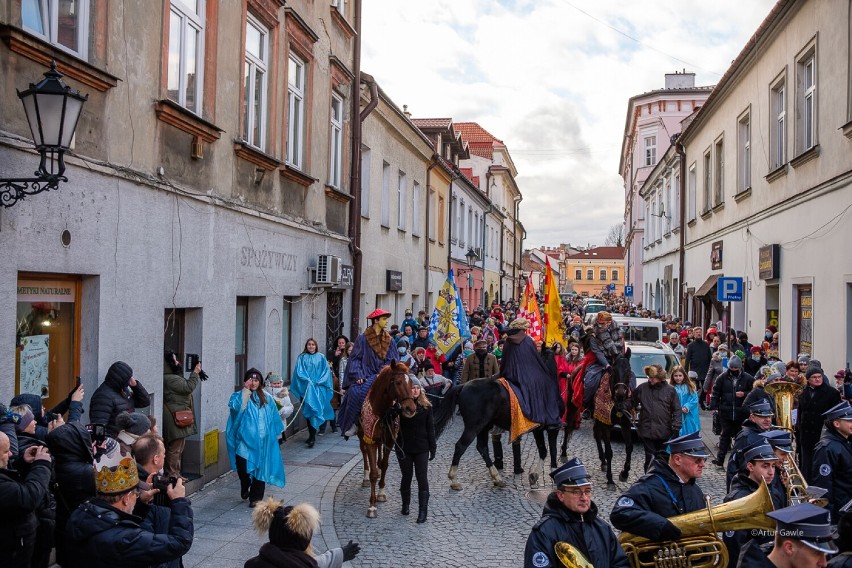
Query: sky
x=551, y=79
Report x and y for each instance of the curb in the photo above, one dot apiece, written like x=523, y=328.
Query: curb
x=329, y=533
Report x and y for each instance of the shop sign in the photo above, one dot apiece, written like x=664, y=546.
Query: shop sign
x=347, y=276
x=772, y=318
x=394, y=281
x=768, y=258
x=716, y=255
x=33, y=291
x=268, y=259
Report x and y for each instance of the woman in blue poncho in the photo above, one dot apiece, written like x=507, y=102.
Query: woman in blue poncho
x=688, y=395
x=312, y=384
x=252, y=438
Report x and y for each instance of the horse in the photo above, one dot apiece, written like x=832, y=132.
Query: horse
x=378, y=426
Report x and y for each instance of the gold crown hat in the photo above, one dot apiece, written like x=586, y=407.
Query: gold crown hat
x=519, y=323
x=115, y=473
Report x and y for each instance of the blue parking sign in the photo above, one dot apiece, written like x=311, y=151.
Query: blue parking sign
x=729, y=289
x=628, y=291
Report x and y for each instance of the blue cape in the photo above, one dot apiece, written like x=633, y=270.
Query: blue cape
x=312, y=383
x=253, y=434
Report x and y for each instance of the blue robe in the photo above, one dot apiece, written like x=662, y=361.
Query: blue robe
x=253, y=434
x=690, y=422
x=363, y=364
x=312, y=384
x=537, y=391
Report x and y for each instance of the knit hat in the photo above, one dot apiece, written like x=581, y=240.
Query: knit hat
x=253, y=374
x=813, y=370
x=755, y=349
x=119, y=373
x=134, y=423
x=735, y=362
x=415, y=382
x=722, y=347
x=288, y=527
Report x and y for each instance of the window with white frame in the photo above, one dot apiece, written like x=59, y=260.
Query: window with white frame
x=692, y=190
x=365, y=181
x=402, y=193
x=667, y=207
x=590, y=274
x=295, y=112
x=461, y=223
x=417, y=200
x=335, y=156
x=578, y=274
x=675, y=210
x=255, y=85
x=719, y=172
x=385, y=194
x=615, y=274
x=778, y=124
x=650, y=150
x=186, y=54
x=433, y=205
x=744, y=152
x=602, y=275
x=806, y=101
x=454, y=215
x=708, y=177
x=470, y=226
x=62, y=23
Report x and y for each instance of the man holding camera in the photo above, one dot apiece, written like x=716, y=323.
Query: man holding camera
x=177, y=397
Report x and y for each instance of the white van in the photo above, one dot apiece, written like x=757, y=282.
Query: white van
x=640, y=329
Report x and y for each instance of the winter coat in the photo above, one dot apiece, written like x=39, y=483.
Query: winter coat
x=830, y=470
x=105, y=537
x=273, y=557
x=20, y=497
x=111, y=398
x=645, y=508
x=698, y=357
x=724, y=398
x=177, y=395
x=716, y=368
x=842, y=560
x=757, y=394
x=812, y=403
x=474, y=368
x=749, y=435
x=751, y=366
x=690, y=421
x=71, y=448
x=416, y=434
x=46, y=511
x=660, y=416
x=592, y=536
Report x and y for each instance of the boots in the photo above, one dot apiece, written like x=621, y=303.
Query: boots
x=497, y=446
x=312, y=436
x=516, y=457
x=406, y=500
x=423, y=503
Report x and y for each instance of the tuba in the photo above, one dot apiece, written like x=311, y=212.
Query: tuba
x=783, y=392
x=797, y=487
x=570, y=557
x=699, y=545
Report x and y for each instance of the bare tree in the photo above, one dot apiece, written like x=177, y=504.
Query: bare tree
x=615, y=237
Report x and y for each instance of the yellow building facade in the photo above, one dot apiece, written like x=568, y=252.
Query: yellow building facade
x=596, y=271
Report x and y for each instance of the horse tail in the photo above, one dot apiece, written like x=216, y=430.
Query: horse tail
x=447, y=409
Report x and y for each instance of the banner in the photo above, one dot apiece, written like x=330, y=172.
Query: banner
x=448, y=326
x=554, y=327
x=529, y=311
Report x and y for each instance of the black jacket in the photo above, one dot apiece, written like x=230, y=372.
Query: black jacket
x=724, y=397
x=756, y=395
x=592, y=536
x=751, y=366
x=697, y=358
x=645, y=508
x=830, y=469
x=812, y=403
x=416, y=434
x=112, y=398
x=273, y=557
x=747, y=436
x=71, y=448
x=20, y=498
x=843, y=560
x=743, y=486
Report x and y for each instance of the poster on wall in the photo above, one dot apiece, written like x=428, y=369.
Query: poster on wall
x=34, y=361
x=806, y=303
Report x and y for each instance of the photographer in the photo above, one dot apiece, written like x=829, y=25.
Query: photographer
x=150, y=455
x=177, y=396
x=46, y=421
x=120, y=391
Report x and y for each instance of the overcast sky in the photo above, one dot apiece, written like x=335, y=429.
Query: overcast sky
x=551, y=78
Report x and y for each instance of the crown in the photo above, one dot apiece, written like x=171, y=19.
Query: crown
x=115, y=474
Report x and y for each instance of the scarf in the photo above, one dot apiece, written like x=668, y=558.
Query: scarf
x=378, y=342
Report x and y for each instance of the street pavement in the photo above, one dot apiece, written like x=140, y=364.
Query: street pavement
x=479, y=526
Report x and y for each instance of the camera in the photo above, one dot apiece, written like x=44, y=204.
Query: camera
x=162, y=482
x=97, y=432
x=192, y=360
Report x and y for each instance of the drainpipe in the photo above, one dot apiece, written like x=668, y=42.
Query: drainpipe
x=434, y=163
x=518, y=246
x=681, y=152
x=484, y=246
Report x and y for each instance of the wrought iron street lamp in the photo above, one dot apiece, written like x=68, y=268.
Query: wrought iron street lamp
x=52, y=109
x=471, y=257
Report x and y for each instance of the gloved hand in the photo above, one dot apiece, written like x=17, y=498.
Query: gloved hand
x=670, y=532
x=431, y=454
x=351, y=550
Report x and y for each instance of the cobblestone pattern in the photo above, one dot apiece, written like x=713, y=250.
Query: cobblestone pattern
x=481, y=525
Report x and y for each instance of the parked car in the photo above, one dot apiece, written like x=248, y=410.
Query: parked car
x=640, y=329
x=644, y=353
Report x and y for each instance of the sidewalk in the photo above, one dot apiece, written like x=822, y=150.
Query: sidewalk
x=224, y=536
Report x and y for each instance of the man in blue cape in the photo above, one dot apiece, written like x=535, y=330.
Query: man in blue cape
x=373, y=351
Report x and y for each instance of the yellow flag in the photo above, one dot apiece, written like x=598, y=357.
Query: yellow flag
x=554, y=327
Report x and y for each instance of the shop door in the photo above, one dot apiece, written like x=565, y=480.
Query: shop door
x=334, y=318
x=47, y=355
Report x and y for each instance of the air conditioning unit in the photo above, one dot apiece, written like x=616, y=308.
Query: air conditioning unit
x=329, y=269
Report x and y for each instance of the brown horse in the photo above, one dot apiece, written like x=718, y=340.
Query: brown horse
x=378, y=425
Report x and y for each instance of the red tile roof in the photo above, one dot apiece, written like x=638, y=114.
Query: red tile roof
x=481, y=141
x=432, y=122
x=607, y=253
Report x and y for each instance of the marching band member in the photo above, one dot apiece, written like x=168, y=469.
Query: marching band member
x=833, y=458
x=803, y=537
x=570, y=516
x=666, y=490
x=782, y=444
x=759, y=420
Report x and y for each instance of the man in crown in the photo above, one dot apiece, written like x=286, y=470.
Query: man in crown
x=373, y=351
x=110, y=530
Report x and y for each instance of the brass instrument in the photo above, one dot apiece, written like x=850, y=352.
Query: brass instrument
x=570, y=557
x=783, y=392
x=797, y=487
x=699, y=545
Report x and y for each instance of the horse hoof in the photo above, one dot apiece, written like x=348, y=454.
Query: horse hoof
x=381, y=498
x=603, y=467
x=610, y=482
x=533, y=479
x=372, y=513
x=499, y=483
x=455, y=486
x=623, y=475
x=563, y=458
x=365, y=483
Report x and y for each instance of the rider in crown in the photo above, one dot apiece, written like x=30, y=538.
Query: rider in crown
x=606, y=343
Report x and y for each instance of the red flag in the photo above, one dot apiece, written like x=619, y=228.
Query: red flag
x=529, y=311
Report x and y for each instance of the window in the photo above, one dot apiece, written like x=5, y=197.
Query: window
x=470, y=226
x=440, y=213
x=417, y=200
x=433, y=206
x=254, y=88
x=336, y=142
x=744, y=153
x=602, y=274
x=340, y=6
x=62, y=23
x=590, y=274
x=650, y=150
x=365, y=181
x=241, y=340
x=692, y=185
x=708, y=191
x=719, y=173
x=778, y=125
x=385, y=194
x=454, y=213
x=461, y=223
x=578, y=274
x=186, y=54
x=295, y=112
x=403, y=201
x=615, y=275
x=674, y=213
x=667, y=207
x=806, y=101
